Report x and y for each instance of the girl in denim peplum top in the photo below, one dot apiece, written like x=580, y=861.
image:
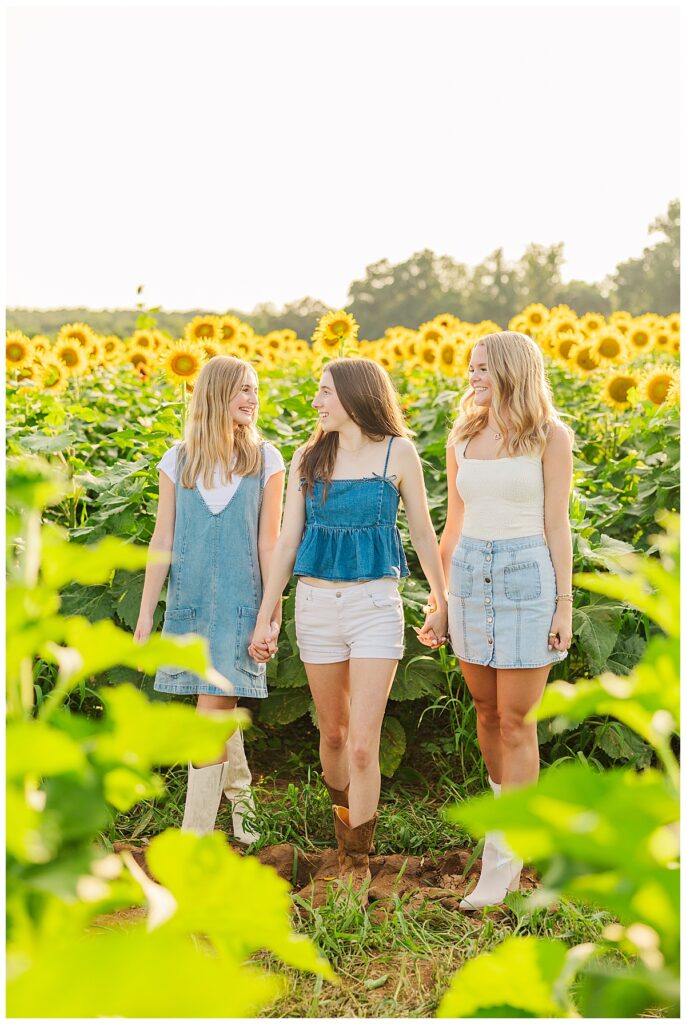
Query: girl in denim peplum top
x=507, y=558
x=339, y=535
x=218, y=516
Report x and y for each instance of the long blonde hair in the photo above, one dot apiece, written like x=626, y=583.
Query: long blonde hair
x=366, y=392
x=520, y=389
x=211, y=437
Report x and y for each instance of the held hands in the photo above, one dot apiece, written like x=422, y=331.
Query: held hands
x=434, y=632
x=560, y=635
x=263, y=645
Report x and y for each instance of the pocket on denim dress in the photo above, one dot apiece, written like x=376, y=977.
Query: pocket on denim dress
x=245, y=627
x=461, y=583
x=178, y=622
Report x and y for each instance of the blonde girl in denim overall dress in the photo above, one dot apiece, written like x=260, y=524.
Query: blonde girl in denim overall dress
x=507, y=557
x=218, y=515
x=339, y=536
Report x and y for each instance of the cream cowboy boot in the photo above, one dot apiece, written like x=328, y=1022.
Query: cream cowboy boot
x=203, y=795
x=236, y=784
x=500, y=870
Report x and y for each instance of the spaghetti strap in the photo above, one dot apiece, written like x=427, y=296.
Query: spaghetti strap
x=388, y=454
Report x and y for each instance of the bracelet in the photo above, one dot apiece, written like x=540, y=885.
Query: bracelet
x=564, y=597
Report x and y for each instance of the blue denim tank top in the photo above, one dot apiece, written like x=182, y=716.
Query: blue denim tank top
x=353, y=535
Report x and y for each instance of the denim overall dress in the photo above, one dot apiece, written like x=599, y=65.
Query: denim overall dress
x=215, y=587
x=353, y=535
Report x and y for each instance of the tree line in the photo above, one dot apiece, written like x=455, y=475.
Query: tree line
x=426, y=284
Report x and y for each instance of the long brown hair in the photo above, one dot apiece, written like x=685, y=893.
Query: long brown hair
x=367, y=394
x=211, y=436
x=520, y=388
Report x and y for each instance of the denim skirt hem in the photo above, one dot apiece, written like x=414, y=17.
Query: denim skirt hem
x=493, y=664
x=188, y=687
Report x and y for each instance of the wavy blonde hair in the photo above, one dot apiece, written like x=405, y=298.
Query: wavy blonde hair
x=211, y=436
x=520, y=389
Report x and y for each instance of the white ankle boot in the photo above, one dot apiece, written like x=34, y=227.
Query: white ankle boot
x=203, y=795
x=236, y=784
x=500, y=870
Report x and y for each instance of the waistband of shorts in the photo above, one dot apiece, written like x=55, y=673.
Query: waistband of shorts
x=385, y=585
x=537, y=540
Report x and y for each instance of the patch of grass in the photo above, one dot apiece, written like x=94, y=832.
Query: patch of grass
x=400, y=963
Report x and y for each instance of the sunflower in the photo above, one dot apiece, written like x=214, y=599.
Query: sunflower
x=518, y=323
x=244, y=348
x=617, y=386
x=656, y=381
x=564, y=350
x=275, y=341
x=96, y=351
x=212, y=349
x=483, y=328
x=674, y=393
x=563, y=323
x=334, y=329
x=610, y=346
x=204, y=328
x=79, y=333
x=536, y=316
x=591, y=323
x=584, y=359
x=72, y=355
x=18, y=350
x=674, y=323
x=54, y=376
x=447, y=357
x=141, y=358
x=675, y=346
x=230, y=327
x=384, y=359
x=662, y=336
x=427, y=355
x=183, y=361
x=447, y=320
x=639, y=340
x=41, y=345
x=113, y=350
x=143, y=340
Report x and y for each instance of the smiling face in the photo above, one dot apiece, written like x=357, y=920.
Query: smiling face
x=479, y=378
x=332, y=415
x=243, y=406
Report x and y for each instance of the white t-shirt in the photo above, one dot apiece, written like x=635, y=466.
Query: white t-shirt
x=219, y=496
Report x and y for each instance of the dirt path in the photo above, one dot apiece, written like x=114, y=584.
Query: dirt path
x=415, y=879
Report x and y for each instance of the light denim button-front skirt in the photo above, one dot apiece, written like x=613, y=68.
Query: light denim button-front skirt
x=501, y=602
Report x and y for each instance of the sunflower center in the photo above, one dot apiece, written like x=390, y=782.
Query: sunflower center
x=15, y=352
x=619, y=388
x=184, y=365
x=658, y=388
x=70, y=357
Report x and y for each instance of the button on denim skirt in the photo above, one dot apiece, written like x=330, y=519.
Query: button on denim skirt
x=501, y=602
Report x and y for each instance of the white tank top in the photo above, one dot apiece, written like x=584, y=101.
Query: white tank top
x=502, y=497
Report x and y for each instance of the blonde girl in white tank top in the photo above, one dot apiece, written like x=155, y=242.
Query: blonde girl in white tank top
x=507, y=558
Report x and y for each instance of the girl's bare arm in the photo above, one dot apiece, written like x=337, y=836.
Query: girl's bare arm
x=269, y=526
x=161, y=542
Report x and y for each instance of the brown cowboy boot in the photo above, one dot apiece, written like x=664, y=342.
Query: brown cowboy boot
x=339, y=798
x=356, y=843
x=330, y=867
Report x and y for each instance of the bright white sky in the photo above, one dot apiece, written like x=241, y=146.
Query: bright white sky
x=224, y=156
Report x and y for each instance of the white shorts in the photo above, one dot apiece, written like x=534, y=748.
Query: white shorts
x=364, y=621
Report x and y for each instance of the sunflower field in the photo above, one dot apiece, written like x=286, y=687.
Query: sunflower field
x=106, y=408
x=98, y=412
